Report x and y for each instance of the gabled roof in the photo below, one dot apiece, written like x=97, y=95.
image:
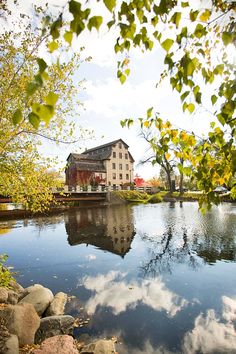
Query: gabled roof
x=106, y=145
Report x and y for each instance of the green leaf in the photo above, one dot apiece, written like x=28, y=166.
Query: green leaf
x=122, y=78
x=127, y=71
x=95, y=22
x=31, y=88
x=219, y=69
x=193, y=15
x=205, y=15
x=43, y=112
x=42, y=65
x=68, y=36
x=176, y=18
x=110, y=4
x=34, y=120
x=227, y=38
x=191, y=107
x=51, y=98
x=184, y=95
x=111, y=23
x=199, y=30
x=214, y=98
x=52, y=46
x=167, y=44
x=149, y=112
x=17, y=117
x=184, y=4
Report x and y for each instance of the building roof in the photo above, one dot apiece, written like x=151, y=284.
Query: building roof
x=99, y=155
x=95, y=166
x=106, y=145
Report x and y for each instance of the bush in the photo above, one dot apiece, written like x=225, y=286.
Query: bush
x=6, y=276
x=132, y=195
x=155, y=198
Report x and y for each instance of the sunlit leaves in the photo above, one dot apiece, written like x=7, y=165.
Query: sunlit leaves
x=228, y=37
x=68, y=36
x=51, y=98
x=52, y=46
x=95, y=22
x=205, y=15
x=167, y=44
x=110, y=4
x=42, y=65
x=17, y=117
x=34, y=120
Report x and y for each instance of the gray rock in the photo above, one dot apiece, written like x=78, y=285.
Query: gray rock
x=12, y=297
x=22, y=320
x=34, y=287
x=12, y=345
x=99, y=347
x=53, y=326
x=57, y=306
x=39, y=297
x=3, y=295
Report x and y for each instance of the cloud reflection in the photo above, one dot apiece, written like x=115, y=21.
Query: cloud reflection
x=111, y=290
x=210, y=335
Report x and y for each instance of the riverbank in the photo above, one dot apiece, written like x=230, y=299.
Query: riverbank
x=116, y=198
x=32, y=321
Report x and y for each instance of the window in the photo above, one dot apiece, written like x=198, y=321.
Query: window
x=113, y=175
x=120, y=166
x=120, y=145
x=114, y=154
x=126, y=156
x=127, y=176
x=113, y=166
x=127, y=167
x=121, y=176
x=120, y=155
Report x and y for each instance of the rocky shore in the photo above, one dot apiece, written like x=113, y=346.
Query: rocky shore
x=32, y=320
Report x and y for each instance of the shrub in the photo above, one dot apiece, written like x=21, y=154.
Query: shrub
x=132, y=195
x=6, y=276
x=155, y=198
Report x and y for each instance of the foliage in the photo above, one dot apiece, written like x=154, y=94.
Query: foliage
x=139, y=181
x=6, y=276
x=132, y=195
x=155, y=198
x=23, y=171
x=154, y=182
x=197, y=41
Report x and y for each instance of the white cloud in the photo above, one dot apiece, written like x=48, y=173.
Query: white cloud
x=210, y=335
x=113, y=291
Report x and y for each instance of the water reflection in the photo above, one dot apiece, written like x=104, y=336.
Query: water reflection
x=112, y=290
x=212, y=334
x=110, y=229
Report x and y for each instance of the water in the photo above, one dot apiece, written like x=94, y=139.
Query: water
x=160, y=278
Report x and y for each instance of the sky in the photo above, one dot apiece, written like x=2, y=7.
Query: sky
x=106, y=102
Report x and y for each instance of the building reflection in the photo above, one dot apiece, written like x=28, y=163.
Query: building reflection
x=110, y=229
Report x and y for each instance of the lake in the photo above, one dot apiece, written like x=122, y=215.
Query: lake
x=160, y=278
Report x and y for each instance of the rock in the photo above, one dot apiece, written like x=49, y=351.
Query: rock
x=3, y=295
x=12, y=345
x=39, y=297
x=99, y=347
x=22, y=320
x=15, y=286
x=57, y=344
x=53, y=326
x=34, y=287
x=57, y=306
x=12, y=297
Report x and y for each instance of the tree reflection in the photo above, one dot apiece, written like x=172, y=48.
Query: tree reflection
x=110, y=229
x=191, y=241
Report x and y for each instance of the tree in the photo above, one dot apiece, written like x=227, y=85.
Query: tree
x=23, y=171
x=197, y=41
x=139, y=181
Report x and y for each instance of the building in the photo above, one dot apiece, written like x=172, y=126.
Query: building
x=109, y=164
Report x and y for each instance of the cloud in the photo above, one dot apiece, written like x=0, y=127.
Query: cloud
x=210, y=335
x=113, y=291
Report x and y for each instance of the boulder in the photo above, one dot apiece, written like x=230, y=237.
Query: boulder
x=12, y=297
x=3, y=295
x=39, y=297
x=53, y=326
x=22, y=320
x=15, y=286
x=57, y=344
x=34, y=287
x=57, y=306
x=11, y=345
x=99, y=347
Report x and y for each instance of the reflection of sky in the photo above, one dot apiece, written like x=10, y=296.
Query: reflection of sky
x=112, y=290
